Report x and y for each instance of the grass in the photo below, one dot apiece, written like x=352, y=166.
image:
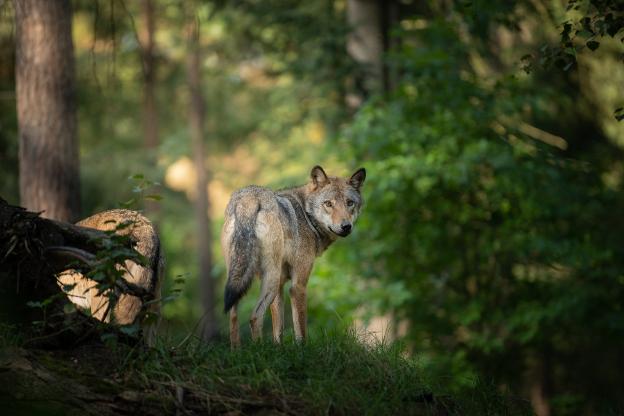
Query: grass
x=332, y=373
x=329, y=374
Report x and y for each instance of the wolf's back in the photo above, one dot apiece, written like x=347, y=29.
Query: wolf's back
x=243, y=250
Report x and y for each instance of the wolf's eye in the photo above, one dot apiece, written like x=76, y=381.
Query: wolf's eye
x=328, y=204
x=350, y=203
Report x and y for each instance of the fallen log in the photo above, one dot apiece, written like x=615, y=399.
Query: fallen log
x=109, y=266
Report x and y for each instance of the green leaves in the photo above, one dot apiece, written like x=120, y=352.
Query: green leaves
x=496, y=238
x=141, y=187
x=588, y=24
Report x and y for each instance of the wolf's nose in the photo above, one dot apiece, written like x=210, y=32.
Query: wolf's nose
x=346, y=227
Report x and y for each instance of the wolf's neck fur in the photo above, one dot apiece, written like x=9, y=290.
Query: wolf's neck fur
x=296, y=196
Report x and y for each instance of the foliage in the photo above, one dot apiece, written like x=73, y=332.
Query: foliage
x=504, y=243
x=303, y=39
x=587, y=23
x=595, y=19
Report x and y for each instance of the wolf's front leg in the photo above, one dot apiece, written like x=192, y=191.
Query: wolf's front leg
x=298, y=303
x=298, y=300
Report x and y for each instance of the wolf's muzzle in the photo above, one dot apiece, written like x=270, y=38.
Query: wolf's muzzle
x=345, y=229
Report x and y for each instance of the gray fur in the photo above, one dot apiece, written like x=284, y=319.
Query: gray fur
x=277, y=235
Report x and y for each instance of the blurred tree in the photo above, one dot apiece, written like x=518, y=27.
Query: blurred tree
x=46, y=109
x=9, y=182
x=365, y=44
x=150, y=107
x=148, y=57
x=203, y=231
x=372, y=25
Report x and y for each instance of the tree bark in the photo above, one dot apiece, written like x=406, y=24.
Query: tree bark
x=196, y=127
x=365, y=44
x=46, y=110
x=390, y=20
x=150, y=105
x=150, y=115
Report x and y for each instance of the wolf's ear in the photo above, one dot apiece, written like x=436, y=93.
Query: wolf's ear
x=319, y=177
x=357, y=179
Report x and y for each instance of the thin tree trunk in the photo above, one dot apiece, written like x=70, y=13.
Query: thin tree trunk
x=150, y=116
x=391, y=19
x=150, y=106
x=196, y=127
x=46, y=110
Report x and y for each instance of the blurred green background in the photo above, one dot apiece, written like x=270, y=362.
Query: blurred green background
x=492, y=238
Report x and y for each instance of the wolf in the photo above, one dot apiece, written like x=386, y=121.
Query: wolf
x=277, y=235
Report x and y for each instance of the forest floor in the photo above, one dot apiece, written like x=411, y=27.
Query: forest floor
x=330, y=374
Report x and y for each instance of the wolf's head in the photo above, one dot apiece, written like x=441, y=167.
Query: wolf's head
x=335, y=202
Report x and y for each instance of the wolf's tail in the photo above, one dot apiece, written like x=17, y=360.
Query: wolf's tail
x=244, y=252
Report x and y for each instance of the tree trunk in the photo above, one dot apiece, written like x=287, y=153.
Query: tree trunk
x=150, y=107
x=46, y=110
x=372, y=23
x=390, y=20
x=540, y=383
x=196, y=127
x=365, y=44
x=150, y=116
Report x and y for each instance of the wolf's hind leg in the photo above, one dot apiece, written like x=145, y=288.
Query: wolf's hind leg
x=271, y=238
x=268, y=292
x=234, y=331
x=277, y=315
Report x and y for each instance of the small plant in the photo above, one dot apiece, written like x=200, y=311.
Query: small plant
x=143, y=190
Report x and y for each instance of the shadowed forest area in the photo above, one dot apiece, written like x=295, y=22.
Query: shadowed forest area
x=485, y=274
